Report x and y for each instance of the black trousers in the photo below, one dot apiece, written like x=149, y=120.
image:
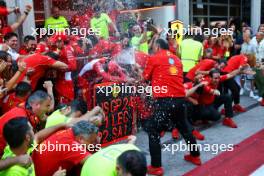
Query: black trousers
x=231, y=85
x=168, y=110
x=210, y=112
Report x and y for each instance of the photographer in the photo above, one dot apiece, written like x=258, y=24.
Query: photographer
x=143, y=38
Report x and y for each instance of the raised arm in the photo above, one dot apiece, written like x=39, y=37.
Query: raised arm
x=21, y=19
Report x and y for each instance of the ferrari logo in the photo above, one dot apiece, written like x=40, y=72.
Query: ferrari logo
x=176, y=28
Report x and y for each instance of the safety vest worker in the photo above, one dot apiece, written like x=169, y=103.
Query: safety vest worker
x=56, y=21
x=190, y=52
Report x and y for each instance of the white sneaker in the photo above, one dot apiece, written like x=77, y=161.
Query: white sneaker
x=241, y=91
x=251, y=94
x=256, y=97
x=260, y=99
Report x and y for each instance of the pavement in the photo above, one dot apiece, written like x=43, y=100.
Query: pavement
x=216, y=134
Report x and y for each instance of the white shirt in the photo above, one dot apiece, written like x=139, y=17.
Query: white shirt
x=12, y=52
x=260, y=51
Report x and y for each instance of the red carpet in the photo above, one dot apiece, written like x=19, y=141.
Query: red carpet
x=246, y=157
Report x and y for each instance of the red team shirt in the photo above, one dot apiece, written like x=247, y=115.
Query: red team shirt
x=207, y=98
x=3, y=32
x=64, y=84
x=141, y=58
x=234, y=63
x=39, y=65
x=165, y=70
x=10, y=101
x=105, y=46
x=3, y=11
x=20, y=111
x=48, y=162
x=23, y=51
x=203, y=65
x=217, y=50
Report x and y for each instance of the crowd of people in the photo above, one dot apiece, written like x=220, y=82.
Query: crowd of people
x=47, y=88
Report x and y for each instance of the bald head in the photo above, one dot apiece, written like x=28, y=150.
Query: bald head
x=259, y=36
x=55, y=12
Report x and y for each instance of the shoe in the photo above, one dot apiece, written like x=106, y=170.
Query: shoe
x=251, y=94
x=260, y=99
x=256, y=97
x=262, y=102
x=193, y=159
x=239, y=108
x=222, y=112
x=241, y=91
x=229, y=122
x=162, y=134
x=198, y=135
x=155, y=170
x=205, y=122
x=175, y=134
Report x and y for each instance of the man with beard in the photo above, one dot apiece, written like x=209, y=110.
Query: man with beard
x=56, y=21
x=29, y=47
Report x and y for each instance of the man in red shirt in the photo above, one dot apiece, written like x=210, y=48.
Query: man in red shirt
x=101, y=70
x=203, y=66
x=29, y=46
x=35, y=109
x=165, y=69
x=37, y=65
x=234, y=63
x=64, y=82
x=104, y=47
x=20, y=137
x=211, y=99
x=69, y=149
x=22, y=91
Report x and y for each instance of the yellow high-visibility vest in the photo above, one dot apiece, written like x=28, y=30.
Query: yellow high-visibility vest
x=190, y=52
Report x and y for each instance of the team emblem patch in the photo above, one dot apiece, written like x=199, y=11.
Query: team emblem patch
x=173, y=70
x=171, y=61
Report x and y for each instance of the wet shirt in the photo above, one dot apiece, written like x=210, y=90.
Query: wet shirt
x=203, y=65
x=47, y=162
x=165, y=71
x=207, y=98
x=38, y=64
